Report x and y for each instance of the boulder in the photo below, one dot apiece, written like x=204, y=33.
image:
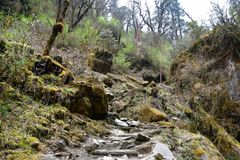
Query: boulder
x=100, y=61
x=108, y=82
x=141, y=62
x=47, y=65
x=151, y=76
x=148, y=113
x=86, y=97
x=90, y=99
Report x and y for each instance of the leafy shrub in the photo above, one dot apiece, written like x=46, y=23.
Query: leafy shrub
x=110, y=34
x=86, y=34
x=4, y=109
x=120, y=61
x=10, y=29
x=128, y=48
x=161, y=56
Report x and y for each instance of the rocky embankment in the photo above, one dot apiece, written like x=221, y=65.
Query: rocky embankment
x=208, y=75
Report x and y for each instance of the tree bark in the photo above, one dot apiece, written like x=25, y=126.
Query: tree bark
x=58, y=27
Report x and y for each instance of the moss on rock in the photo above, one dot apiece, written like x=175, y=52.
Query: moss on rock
x=151, y=114
x=100, y=61
x=208, y=72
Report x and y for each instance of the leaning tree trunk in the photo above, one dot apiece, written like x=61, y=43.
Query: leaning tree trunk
x=58, y=27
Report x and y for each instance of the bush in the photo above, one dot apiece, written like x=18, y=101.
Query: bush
x=120, y=61
x=128, y=48
x=86, y=35
x=110, y=34
x=10, y=29
x=161, y=56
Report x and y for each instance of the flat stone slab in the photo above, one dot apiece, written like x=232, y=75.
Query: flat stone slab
x=115, y=152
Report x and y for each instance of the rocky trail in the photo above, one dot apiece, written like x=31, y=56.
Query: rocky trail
x=142, y=126
x=129, y=140
x=59, y=114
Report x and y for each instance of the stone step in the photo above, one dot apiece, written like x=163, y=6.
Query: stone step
x=115, y=152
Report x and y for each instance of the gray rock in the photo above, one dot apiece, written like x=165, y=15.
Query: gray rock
x=108, y=158
x=98, y=141
x=142, y=138
x=133, y=123
x=125, y=157
x=120, y=123
x=163, y=150
x=124, y=119
x=115, y=152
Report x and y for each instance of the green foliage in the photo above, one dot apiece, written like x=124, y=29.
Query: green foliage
x=161, y=56
x=104, y=22
x=94, y=34
x=4, y=109
x=110, y=34
x=46, y=19
x=14, y=62
x=15, y=27
x=120, y=61
x=128, y=49
x=87, y=34
x=194, y=32
x=46, y=7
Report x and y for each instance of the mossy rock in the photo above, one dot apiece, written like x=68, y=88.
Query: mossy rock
x=22, y=155
x=151, y=76
x=92, y=98
x=8, y=93
x=47, y=65
x=86, y=97
x=100, y=61
x=140, y=62
x=148, y=113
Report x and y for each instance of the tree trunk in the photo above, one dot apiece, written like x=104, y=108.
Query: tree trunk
x=58, y=27
x=70, y=29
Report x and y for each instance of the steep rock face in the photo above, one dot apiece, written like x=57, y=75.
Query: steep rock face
x=209, y=74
